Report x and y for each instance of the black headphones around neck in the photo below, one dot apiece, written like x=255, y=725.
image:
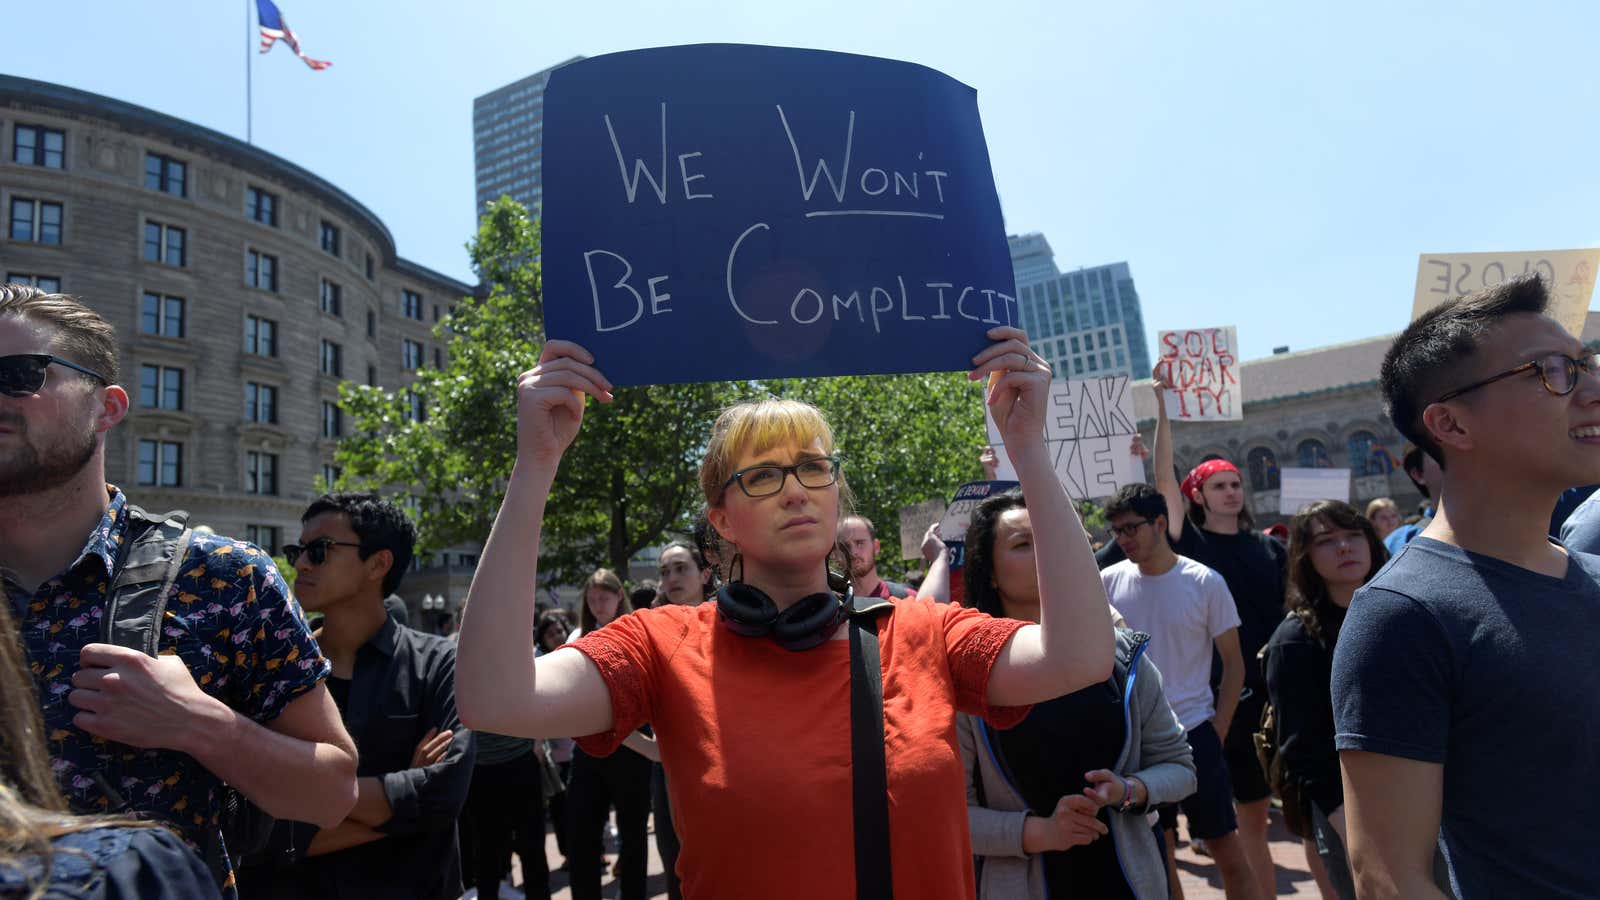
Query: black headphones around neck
x=811, y=621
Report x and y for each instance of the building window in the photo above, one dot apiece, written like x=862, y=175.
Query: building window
x=161, y=314
x=35, y=146
x=260, y=403
x=1075, y=348
x=1077, y=366
x=416, y=410
x=330, y=238
x=330, y=298
x=50, y=284
x=1263, y=468
x=160, y=463
x=410, y=355
x=1311, y=454
x=411, y=305
x=436, y=312
x=261, y=271
x=260, y=336
x=370, y=268
x=160, y=387
x=438, y=358
x=263, y=536
x=165, y=244
x=372, y=323
x=330, y=476
x=260, y=473
x=372, y=375
x=1367, y=456
x=332, y=359
x=165, y=174
x=38, y=221
x=262, y=206
x=332, y=420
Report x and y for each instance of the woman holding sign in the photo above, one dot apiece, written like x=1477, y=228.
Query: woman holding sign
x=1218, y=532
x=758, y=698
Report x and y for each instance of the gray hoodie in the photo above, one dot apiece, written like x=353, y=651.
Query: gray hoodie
x=1155, y=750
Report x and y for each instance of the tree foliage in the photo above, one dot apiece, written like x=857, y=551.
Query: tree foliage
x=630, y=478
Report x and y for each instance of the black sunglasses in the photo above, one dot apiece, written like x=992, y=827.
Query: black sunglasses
x=22, y=374
x=316, y=551
x=1558, y=372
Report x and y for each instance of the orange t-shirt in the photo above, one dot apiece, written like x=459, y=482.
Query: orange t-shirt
x=756, y=744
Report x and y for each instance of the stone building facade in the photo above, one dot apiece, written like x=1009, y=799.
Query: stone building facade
x=244, y=289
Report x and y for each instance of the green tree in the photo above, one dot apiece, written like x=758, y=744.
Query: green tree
x=628, y=478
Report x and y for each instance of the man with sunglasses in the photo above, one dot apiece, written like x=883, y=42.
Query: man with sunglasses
x=1188, y=610
x=1465, y=690
x=233, y=693
x=395, y=689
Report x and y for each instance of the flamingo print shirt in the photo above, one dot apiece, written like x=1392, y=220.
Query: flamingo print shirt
x=230, y=616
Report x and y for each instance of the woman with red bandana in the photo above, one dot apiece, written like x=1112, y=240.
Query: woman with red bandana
x=1209, y=523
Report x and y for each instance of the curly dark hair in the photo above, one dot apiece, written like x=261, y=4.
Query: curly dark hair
x=1307, y=594
x=978, y=570
x=378, y=523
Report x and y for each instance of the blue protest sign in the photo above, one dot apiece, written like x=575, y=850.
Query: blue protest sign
x=720, y=211
x=967, y=499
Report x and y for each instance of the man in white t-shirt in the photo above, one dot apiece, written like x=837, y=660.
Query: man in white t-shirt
x=1187, y=610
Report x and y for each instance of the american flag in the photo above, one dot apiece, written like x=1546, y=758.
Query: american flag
x=274, y=28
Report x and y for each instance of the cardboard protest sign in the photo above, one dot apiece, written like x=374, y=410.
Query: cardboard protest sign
x=914, y=522
x=1088, y=432
x=720, y=211
x=1202, y=365
x=1302, y=487
x=953, y=527
x=1569, y=274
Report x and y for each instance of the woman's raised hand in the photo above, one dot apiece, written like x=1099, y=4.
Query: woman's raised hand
x=550, y=399
x=1020, y=388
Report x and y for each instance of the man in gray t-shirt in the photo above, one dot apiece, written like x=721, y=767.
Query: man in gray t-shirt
x=1462, y=670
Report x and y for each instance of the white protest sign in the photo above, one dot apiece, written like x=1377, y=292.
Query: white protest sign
x=1302, y=487
x=914, y=522
x=1202, y=365
x=1569, y=274
x=1088, y=432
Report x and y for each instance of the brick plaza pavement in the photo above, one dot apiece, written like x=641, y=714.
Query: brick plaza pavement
x=1198, y=876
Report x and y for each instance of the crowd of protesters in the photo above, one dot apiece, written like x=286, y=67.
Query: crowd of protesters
x=1033, y=724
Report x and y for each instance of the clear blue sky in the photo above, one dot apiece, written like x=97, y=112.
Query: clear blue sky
x=1274, y=165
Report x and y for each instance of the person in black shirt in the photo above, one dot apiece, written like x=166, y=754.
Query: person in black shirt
x=1057, y=804
x=1209, y=523
x=1333, y=550
x=395, y=689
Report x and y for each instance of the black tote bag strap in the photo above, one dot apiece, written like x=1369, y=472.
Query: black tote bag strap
x=869, y=769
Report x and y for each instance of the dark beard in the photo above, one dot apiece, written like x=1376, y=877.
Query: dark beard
x=28, y=474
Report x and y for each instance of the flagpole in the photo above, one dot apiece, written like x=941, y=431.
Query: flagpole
x=249, y=87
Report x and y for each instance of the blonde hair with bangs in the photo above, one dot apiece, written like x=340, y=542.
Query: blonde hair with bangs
x=756, y=427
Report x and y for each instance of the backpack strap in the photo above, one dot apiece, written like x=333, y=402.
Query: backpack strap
x=869, y=774
x=148, y=562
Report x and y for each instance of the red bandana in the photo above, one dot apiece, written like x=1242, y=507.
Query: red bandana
x=1199, y=474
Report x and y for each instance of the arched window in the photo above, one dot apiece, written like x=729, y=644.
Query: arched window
x=1263, y=470
x=1209, y=457
x=1311, y=454
x=1367, y=456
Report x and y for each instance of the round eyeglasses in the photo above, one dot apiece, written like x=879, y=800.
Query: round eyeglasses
x=1558, y=372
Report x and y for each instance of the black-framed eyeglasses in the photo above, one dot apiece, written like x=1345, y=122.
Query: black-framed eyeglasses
x=22, y=374
x=764, y=481
x=1558, y=372
x=316, y=551
x=1127, y=531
